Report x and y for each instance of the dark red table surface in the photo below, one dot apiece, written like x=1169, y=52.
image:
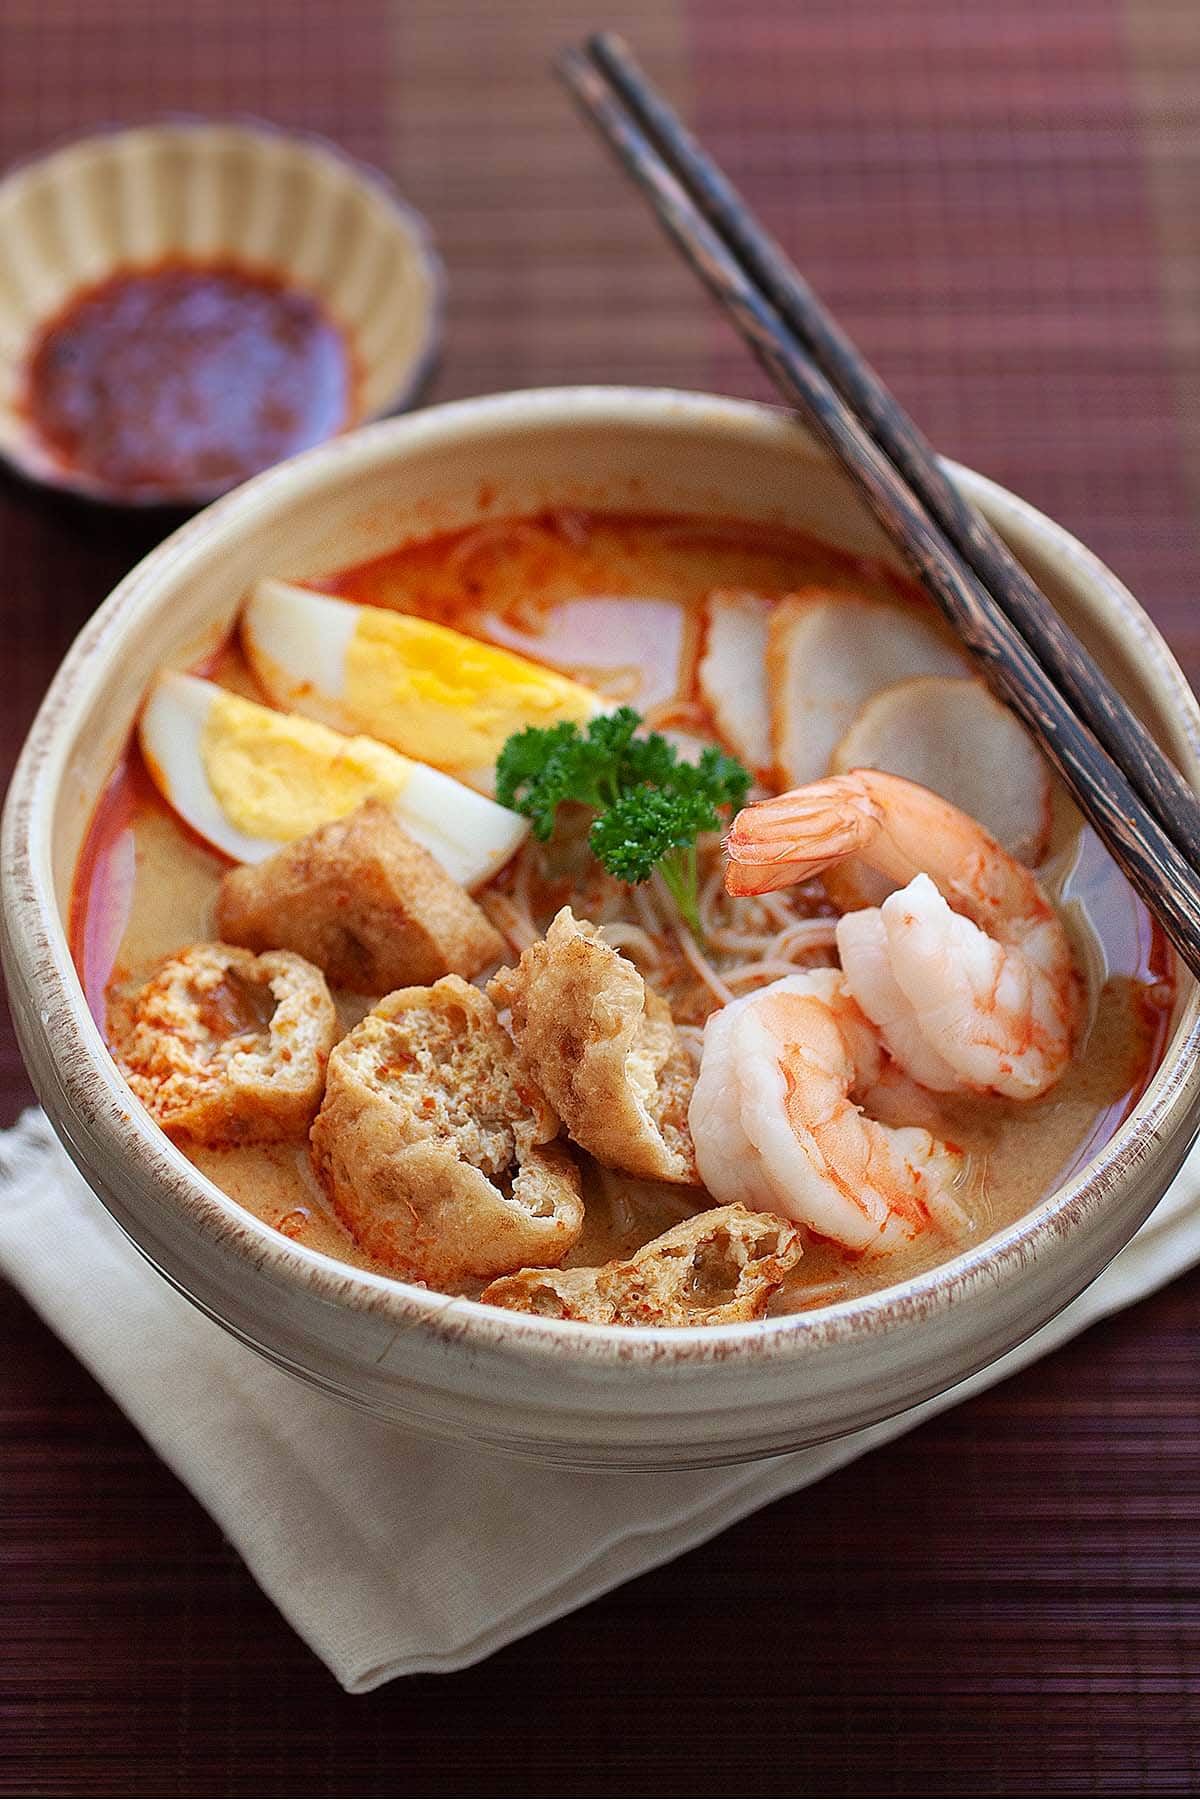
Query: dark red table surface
x=1000, y=202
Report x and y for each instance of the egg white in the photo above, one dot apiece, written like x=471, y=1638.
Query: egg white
x=471, y=836
x=296, y=642
x=301, y=648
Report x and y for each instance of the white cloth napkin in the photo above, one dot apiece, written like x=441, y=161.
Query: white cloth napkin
x=391, y=1555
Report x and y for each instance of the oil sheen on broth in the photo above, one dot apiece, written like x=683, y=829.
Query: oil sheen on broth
x=570, y=589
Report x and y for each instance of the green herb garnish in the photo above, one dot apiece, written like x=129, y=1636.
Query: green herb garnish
x=650, y=806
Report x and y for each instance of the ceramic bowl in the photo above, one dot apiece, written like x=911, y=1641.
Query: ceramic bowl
x=573, y=1394
x=237, y=193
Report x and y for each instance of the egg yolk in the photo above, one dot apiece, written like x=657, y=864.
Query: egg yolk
x=277, y=776
x=447, y=698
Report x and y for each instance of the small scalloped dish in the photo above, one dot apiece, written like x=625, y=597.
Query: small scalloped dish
x=268, y=206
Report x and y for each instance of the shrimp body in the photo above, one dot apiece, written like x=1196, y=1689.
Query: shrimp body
x=966, y=970
x=776, y=1128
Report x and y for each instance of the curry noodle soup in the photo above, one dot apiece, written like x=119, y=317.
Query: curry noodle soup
x=795, y=659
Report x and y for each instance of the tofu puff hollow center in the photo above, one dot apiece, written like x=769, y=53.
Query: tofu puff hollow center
x=423, y=688
x=248, y=779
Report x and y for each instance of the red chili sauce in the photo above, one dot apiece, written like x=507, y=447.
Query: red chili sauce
x=186, y=377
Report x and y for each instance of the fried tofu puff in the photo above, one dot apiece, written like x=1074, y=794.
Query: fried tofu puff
x=719, y=1268
x=603, y=1048
x=225, y=1047
x=365, y=902
x=436, y=1151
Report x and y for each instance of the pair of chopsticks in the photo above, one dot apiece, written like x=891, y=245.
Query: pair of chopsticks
x=1122, y=782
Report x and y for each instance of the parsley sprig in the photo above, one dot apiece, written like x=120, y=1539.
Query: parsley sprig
x=650, y=806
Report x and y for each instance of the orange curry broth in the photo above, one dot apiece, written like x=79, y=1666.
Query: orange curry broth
x=524, y=583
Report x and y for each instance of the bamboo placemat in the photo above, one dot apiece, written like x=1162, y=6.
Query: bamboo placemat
x=1000, y=201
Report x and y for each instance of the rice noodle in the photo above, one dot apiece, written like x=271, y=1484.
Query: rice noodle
x=732, y=957
x=644, y=907
x=623, y=681
x=822, y=1293
x=740, y=943
x=752, y=943
x=778, y=908
x=801, y=936
x=512, y=913
x=522, y=873
x=524, y=614
x=700, y=963
x=513, y=922
x=623, y=935
x=485, y=537
x=769, y=969
x=683, y=714
x=783, y=938
x=712, y=885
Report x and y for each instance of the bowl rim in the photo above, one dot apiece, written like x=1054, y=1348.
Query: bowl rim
x=101, y=1107
x=41, y=469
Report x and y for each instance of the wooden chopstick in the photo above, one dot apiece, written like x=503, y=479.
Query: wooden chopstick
x=1147, y=769
x=1138, y=842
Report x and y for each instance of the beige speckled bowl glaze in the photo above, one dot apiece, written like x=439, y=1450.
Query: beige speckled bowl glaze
x=232, y=191
x=565, y=1393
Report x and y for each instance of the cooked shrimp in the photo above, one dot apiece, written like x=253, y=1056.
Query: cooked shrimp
x=966, y=971
x=776, y=1128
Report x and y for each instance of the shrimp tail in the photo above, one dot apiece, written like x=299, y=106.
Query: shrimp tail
x=776, y=843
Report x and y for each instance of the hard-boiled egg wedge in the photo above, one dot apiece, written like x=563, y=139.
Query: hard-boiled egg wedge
x=422, y=688
x=249, y=779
